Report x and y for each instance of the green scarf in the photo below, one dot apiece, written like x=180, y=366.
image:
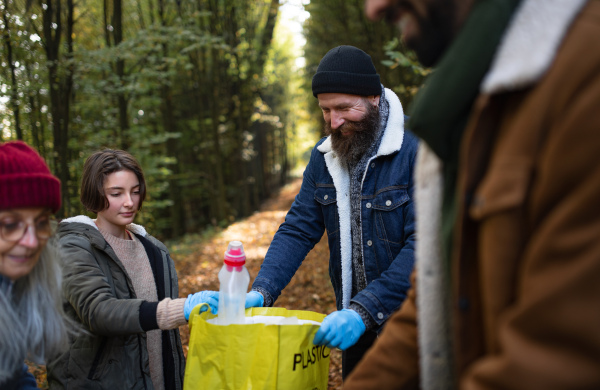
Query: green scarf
x=441, y=109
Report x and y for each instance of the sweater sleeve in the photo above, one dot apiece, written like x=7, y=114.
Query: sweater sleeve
x=170, y=314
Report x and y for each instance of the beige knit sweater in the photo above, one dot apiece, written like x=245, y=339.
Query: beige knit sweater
x=169, y=313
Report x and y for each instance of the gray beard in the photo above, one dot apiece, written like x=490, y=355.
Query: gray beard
x=350, y=149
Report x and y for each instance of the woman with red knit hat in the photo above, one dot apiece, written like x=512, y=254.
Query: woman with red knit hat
x=32, y=322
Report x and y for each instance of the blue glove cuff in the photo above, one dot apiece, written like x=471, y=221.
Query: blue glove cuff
x=358, y=318
x=186, y=307
x=258, y=296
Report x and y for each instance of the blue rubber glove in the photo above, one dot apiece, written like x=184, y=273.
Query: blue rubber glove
x=341, y=329
x=254, y=299
x=193, y=300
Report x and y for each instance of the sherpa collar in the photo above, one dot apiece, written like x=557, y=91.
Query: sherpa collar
x=530, y=43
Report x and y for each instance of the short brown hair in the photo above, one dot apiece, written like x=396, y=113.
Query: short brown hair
x=95, y=170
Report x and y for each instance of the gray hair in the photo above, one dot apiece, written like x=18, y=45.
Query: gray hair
x=33, y=324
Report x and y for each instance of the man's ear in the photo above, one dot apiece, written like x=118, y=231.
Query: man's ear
x=374, y=99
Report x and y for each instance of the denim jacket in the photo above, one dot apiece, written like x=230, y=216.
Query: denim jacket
x=387, y=215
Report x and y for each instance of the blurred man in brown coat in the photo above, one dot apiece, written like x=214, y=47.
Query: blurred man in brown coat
x=506, y=293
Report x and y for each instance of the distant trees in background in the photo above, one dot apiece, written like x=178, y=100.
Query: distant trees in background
x=193, y=88
x=205, y=93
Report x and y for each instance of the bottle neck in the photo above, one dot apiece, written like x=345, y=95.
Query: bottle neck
x=234, y=268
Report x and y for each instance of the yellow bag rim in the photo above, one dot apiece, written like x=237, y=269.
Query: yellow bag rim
x=259, y=311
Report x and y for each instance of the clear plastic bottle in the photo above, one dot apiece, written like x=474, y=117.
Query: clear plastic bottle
x=234, y=279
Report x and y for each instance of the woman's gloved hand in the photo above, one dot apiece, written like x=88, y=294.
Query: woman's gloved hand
x=341, y=329
x=193, y=300
x=254, y=299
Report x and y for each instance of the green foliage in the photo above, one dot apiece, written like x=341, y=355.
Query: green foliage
x=405, y=62
x=193, y=89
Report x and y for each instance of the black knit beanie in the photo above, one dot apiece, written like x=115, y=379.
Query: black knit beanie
x=346, y=69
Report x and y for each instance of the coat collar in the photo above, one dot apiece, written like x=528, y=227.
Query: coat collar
x=394, y=130
x=530, y=43
x=132, y=227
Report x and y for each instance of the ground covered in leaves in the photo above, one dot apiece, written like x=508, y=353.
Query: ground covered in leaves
x=199, y=258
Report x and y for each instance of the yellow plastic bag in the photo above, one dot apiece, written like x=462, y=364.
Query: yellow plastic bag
x=256, y=356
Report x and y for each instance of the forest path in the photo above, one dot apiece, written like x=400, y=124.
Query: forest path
x=198, y=263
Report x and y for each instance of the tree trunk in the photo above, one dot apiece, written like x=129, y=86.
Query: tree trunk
x=116, y=18
x=60, y=90
x=14, y=92
x=122, y=100
x=170, y=126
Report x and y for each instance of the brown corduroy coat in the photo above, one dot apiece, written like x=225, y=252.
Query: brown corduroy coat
x=525, y=267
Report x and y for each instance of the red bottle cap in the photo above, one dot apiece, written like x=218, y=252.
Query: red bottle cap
x=234, y=255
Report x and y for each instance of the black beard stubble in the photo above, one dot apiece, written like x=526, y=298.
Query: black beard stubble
x=437, y=31
x=350, y=149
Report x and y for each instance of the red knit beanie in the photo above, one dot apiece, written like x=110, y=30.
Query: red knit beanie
x=25, y=180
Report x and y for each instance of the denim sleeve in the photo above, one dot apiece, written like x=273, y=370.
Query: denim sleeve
x=303, y=228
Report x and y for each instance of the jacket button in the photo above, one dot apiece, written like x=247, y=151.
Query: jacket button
x=368, y=205
x=380, y=315
x=325, y=197
x=388, y=202
x=372, y=165
x=478, y=201
x=369, y=243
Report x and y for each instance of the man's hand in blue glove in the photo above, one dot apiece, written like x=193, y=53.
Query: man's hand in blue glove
x=341, y=329
x=193, y=300
x=254, y=299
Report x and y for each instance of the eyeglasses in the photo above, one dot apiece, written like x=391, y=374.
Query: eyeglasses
x=13, y=230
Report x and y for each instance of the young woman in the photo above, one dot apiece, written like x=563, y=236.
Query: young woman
x=31, y=317
x=120, y=284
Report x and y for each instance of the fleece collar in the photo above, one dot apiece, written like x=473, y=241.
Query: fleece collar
x=391, y=142
x=132, y=227
x=530, y=43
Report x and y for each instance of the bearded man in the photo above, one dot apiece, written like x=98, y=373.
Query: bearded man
x=357, y=185
x=506, y=293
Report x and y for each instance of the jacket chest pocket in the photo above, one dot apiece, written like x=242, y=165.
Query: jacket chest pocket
x=502, y=190
x=388, y=214
x=499, y=210
x=326, y=197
